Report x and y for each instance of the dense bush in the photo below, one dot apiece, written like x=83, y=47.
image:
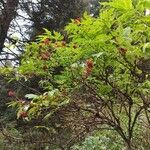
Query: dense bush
x=102, y=67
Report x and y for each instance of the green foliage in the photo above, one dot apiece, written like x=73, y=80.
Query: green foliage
x=110, y=39
x=100, y=141
x=107, y=55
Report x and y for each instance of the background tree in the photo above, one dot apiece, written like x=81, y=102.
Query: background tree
x=7, y=14
x=52, y=15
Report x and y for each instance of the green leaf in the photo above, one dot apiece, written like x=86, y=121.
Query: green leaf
x=120, y=4
x=31, y=96
x=146, y=4
x=53, y=92
x=49, y=115
x=146, y=47
x=98, y=54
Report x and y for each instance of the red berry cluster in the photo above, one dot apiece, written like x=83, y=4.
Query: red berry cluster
x=89, y=67
x=23, y=114
x=45, y=55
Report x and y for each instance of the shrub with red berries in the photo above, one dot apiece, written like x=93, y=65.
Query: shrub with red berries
x=115, y=89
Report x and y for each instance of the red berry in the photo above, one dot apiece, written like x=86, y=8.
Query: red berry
x=23, y=114
x=11, y=93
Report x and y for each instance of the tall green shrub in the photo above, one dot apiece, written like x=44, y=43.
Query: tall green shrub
x=103, y=64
